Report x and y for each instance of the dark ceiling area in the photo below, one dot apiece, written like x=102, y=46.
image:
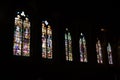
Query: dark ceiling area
x=69, y=12
x=70, y=8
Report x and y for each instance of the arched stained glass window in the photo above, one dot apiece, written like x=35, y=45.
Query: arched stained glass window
x=21, y=44
x=82, y=48
x=46, y=40
x=68, y=46
x=109, y=51
x=99, y=52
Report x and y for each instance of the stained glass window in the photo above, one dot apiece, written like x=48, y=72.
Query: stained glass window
x=68, y=46
x=109, y=51
x=82, y=48
x=46, y=40
x=99, y=52
x=21, y=44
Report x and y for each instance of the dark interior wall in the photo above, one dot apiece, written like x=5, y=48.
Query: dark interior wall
x=77, y=20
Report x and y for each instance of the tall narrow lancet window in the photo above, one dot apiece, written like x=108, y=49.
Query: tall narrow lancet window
x=68, y=46
x=46, y=40
x=99, y=52
x=82, y=48
x=21, y=44
x=109, y=51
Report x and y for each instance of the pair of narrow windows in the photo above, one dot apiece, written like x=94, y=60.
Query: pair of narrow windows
x=83, y=49
x=21, y=46
x=22, y=26
x=68, y=47
x=99, y=52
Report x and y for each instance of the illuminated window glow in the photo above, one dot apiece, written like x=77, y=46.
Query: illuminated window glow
x=99, y=52
x=109, y=51
x=82, y=48
x=68, y=46
x=46, y=40
x=21, y=44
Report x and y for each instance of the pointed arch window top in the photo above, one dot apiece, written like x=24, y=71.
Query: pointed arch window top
x=109, y=47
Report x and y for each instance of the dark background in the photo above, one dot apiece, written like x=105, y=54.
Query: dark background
x=79, y=16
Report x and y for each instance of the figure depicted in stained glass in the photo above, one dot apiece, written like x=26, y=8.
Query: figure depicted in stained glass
x=68, y=46
x=26, y=37
x=49, y=42
x=99, y=52
x=44, y=40
x=83, y=49
x=109, y=51
x=17, y=36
